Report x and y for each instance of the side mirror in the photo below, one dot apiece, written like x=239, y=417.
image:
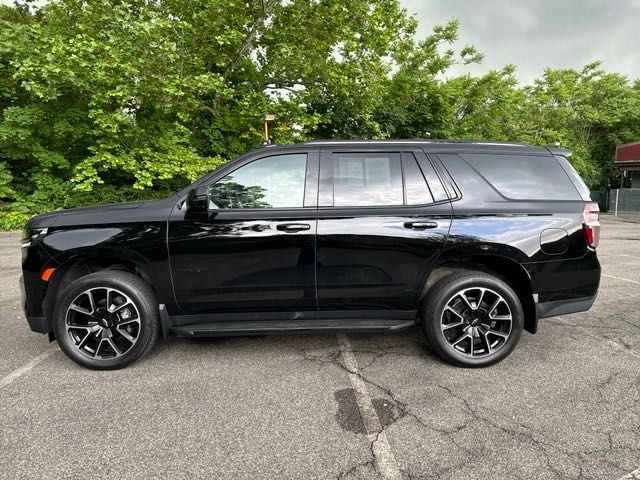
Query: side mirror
x=197, y=203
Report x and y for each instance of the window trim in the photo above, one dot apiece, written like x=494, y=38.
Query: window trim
x=451, y=188
x=422, y=157
x=403, y=179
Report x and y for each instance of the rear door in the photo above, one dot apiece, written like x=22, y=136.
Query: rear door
x=383, y=216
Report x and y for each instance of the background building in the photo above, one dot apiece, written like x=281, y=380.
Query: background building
x=628, y=162
x=627, y=198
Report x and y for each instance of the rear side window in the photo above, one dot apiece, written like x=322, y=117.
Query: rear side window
x=524, y=177
x=367, y=179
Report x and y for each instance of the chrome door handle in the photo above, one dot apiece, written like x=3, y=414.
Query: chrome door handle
x=420, y=225
x=293, y=227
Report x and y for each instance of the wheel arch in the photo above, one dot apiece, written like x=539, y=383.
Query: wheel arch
x=507, y=269
x=78, y=266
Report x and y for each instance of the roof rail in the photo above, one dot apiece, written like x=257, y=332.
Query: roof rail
x=412, y=140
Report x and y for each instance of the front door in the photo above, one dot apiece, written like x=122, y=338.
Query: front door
x=383, y=217
x=254, y=251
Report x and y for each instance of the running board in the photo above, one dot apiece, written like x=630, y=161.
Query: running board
x=279, y=327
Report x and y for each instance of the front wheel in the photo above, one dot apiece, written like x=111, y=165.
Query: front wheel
x=106, y=320
x=472, y=319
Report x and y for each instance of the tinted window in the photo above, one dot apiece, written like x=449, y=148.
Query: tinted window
x=367, y=179
x=526, y=177
x=271, y=182
x=416, y=188
x=441, y=184
x=582, y=188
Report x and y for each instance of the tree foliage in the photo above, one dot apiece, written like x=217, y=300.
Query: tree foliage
x=130, y=99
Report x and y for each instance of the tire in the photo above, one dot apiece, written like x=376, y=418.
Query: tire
x=106, y=320
x=476, y=332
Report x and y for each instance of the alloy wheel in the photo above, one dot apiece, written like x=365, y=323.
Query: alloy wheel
x=476, y=322
x=103, y=323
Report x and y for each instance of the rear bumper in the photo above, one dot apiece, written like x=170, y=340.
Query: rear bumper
x=571, y=281
x=564, y=286
x=564, y=307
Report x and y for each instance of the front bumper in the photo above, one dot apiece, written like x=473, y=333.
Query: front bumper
x=36, y=323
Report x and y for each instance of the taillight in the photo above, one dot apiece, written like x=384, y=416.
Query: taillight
x=591, y=223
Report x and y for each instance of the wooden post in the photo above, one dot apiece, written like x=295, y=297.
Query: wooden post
x=267, y=118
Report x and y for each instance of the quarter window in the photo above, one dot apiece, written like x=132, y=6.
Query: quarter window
x=367, y=179
x=524, y=177
x=270, y=182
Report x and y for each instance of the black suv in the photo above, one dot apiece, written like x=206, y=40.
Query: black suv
x=473, y=242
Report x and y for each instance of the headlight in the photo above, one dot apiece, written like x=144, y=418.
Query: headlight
x=33, y=236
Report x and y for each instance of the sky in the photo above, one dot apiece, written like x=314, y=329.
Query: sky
x=535, y=34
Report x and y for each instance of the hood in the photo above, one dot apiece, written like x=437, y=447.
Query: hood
x=110, y=207
x=104, y=214
x=41, y=221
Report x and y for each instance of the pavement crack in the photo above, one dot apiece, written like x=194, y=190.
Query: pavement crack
x=513, y=432
x=352, y=470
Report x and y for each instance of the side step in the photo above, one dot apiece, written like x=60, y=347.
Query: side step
x=221, y=329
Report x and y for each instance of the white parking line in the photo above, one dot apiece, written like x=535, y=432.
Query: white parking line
x=18, y=372
x=600, y=254
x=385, y=460
x=635, y=475
x=609, y=255
x=621, y=278
x=629, y=256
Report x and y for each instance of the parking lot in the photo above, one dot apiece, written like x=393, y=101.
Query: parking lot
x=565, y=404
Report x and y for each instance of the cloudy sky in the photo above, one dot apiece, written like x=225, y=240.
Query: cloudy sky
x=534, y=34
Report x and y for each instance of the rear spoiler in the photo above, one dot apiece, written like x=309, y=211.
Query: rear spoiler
x=563, y=152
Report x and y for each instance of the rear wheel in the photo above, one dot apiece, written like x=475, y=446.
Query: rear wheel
x=472, y=319
x=106, y=320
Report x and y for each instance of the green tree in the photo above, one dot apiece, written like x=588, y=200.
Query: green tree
x=102, y=97
x=588, y=111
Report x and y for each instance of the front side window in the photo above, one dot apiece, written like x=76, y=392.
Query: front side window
x=367, y=179
x=270, y=182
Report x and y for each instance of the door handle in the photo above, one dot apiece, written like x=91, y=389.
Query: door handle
x=293, y=227
x=420, y=225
